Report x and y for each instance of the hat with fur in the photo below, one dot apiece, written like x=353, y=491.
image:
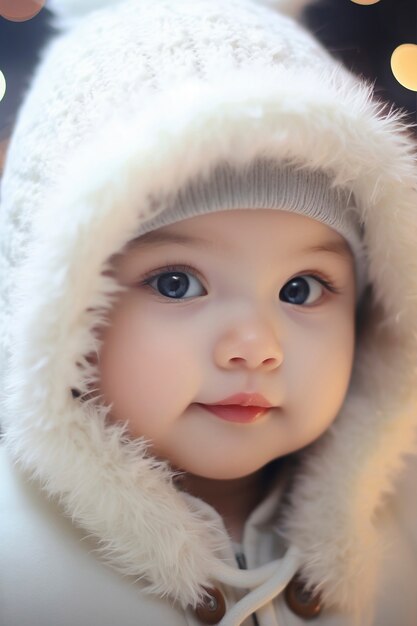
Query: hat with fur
x=132, y=101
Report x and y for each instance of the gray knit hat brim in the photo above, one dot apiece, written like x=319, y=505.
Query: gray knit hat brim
x=267, y=184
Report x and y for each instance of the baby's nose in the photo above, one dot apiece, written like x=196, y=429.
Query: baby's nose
x=251, y=345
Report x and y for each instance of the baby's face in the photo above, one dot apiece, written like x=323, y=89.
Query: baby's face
x=248, y=313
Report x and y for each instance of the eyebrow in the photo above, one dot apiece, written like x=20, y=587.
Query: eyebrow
x=340, y=248
x=157, y=238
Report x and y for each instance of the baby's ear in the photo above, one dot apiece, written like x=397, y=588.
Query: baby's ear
x=68, y=12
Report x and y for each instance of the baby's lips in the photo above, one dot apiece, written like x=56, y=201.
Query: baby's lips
x=236, y=413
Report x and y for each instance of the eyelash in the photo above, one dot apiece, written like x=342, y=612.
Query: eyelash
x=149, y=276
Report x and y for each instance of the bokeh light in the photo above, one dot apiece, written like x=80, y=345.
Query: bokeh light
x=365, y=2
x=404, y=65
x=2, y=85
x=20, y=10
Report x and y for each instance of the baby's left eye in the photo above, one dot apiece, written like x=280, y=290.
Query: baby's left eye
x=302, y=290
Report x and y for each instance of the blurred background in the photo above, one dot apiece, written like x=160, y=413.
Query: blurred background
x=361, y=33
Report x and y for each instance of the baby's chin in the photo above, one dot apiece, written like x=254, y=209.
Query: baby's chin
x=217, y=472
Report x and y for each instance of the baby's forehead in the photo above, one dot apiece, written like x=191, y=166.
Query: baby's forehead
x=227, y=229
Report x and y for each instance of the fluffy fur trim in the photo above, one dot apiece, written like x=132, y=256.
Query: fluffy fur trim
x=108, y=484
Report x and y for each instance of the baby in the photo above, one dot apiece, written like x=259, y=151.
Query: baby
x=259, y=303
x=208, y=296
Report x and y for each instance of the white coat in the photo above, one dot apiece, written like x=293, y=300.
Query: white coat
x=50, y=575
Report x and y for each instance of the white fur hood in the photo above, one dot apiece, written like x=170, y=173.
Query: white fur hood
x=101, y=134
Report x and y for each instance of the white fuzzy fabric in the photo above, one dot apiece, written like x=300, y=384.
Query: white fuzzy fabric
x=97, y=179
x=66, y=13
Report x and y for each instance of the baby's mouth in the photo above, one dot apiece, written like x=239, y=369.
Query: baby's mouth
x=236, y=412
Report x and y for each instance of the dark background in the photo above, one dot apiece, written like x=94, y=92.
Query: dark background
x=363, y=37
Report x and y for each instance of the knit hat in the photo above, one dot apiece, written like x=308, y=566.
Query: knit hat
x=132, y=102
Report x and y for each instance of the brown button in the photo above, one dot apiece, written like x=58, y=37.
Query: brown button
x=303, y=603
x=213, y=608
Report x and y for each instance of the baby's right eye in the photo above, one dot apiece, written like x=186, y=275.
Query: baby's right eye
x=173, y=282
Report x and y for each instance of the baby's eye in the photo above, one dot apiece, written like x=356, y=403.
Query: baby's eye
x=302, y=290
x=175, y=284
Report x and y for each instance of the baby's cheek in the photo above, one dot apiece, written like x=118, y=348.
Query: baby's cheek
x=333, y=368
x=147, y=366
x=316, y=373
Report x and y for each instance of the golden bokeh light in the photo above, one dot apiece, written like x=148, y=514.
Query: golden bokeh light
x=365, y=2
x=2, y=85
x=404, y=65
x=20, y=10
